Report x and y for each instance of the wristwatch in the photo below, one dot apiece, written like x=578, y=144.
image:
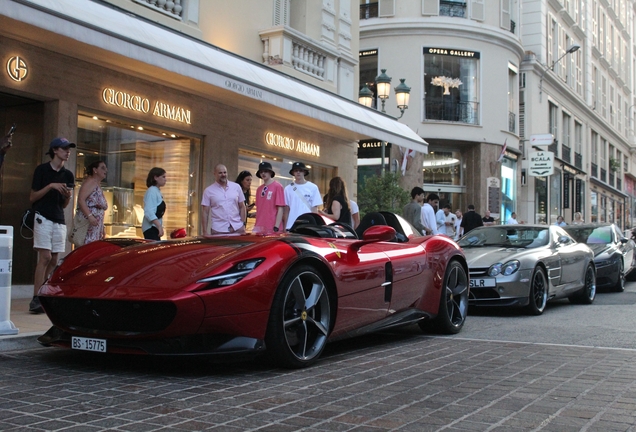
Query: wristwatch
x=275, y=229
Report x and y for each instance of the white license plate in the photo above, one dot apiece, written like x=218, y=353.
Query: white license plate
x=88, y=344
x=483, y=283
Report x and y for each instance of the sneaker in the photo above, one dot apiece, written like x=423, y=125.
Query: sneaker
x=35, y=307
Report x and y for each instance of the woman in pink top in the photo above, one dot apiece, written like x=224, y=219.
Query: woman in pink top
x=270, y=202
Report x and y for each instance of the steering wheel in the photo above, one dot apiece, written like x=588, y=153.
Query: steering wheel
x=345, y=227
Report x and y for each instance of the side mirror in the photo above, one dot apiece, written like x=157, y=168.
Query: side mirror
x=624, y=240
x=379, y=233
x=564, y=240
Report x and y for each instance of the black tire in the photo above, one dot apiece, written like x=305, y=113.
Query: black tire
x=538, y=295
x=587, y=294
x=620, y=283
x=300, y=319
x=453, y=303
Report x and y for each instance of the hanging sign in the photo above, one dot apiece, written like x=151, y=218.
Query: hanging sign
x=541, y=139
x=541, y=163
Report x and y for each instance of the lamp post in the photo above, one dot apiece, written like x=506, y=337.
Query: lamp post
x=383, y=87
x=570, y=50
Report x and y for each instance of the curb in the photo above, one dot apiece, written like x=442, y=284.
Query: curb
x=27, y=341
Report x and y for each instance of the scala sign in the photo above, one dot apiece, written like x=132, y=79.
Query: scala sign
x=541, y=163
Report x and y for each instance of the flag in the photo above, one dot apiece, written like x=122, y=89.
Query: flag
x=503, y=150
x=408, y=153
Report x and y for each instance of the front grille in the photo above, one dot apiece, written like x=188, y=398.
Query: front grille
x=478, y=271
x=109, y=315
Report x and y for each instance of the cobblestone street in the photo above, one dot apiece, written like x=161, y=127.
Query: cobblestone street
x=393, y=381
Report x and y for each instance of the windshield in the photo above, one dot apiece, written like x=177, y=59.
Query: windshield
x=505, y=236
x=591, y=235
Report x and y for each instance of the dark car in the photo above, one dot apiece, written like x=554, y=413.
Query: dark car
x=613, y=253
x=285, y=295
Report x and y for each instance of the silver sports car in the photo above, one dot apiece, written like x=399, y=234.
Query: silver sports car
x=527, y=265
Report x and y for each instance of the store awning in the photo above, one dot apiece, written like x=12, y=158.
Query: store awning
x=254, y=86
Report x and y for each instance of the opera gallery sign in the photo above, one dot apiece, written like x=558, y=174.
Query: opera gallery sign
x=541, y=163
x=144, y=105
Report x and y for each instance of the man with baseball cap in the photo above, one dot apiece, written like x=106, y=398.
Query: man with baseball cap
x=301, y=196
x=270, y=201
x=50, y=193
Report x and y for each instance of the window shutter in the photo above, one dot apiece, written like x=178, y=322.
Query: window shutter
x=477, y=10
x=281, y=12
x=505, y=14
x=430, y=7
x=386, y=8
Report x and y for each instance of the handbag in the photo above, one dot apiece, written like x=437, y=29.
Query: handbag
x=28, y=220
x=77, y=233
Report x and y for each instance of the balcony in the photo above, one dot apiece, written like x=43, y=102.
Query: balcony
x=513, y=26
x=452, y=111
x=284, y=46
x=565, y=153
x=512, y=122
x=603, y=175
x=171, y=8
x=369, y=10
x=594, y=170
x=578, y=160
x=452, y=8
x=554, y=148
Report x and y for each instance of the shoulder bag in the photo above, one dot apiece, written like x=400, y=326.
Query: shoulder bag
x=79, y=229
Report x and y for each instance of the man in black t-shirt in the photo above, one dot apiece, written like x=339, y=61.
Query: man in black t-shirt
x=471, y=220
x=50, y=193
x=487, y=219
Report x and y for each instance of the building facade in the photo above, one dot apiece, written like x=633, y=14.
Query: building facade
x=577, y=82
x=135, y=84
x=462, y=62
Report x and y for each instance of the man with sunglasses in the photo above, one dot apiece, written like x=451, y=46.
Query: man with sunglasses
x=270, y=202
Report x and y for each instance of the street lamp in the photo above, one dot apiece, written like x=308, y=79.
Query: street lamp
x=570, y=50
x=365, y=97
x=402, y=94
x=383, y=86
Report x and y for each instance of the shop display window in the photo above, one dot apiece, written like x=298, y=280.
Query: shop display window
x=130, y=151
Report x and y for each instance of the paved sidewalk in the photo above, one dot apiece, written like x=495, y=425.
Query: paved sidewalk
x=29, y=325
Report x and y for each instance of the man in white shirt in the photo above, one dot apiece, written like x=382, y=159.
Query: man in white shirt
x=301, y=196
x=445, y=221
x=512, y=220
x=459, y=231
x=355, y=214
x=428, y=214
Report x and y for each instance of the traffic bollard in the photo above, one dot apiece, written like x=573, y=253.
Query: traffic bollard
x=6, y=263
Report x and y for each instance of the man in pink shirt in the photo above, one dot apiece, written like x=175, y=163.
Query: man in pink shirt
x=270, y=202
x=223, y=205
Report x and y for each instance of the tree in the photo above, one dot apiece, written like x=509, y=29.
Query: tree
x=382, y=193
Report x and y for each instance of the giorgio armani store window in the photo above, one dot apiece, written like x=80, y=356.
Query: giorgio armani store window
x=130, y=150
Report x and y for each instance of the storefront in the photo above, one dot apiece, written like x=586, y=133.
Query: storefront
x=162, y=111
x=607, y=205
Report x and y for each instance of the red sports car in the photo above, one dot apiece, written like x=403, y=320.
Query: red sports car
x=284, y=295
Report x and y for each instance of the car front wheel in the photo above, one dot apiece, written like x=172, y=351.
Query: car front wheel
x=620, y=283
x=453, y=305
x=538, y=296
x=300, y=319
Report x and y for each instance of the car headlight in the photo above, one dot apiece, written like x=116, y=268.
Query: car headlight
x=504, y=269
x=603, y=263
x=233, y=275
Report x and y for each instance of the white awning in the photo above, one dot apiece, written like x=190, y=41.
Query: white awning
x=254, y=86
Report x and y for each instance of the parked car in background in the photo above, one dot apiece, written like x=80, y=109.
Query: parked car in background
x=282, y=295
x=527, y=265
x=613, y=252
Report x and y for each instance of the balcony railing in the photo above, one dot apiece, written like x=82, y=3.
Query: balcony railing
x=453, y=111
x=603, y=175
x=578, y=160
x=369, y=10
x=513, y=26
x=565, y=153
x=554, y=148
x=171, y=8
x=283, y=45
x=452, y=8
x=594, y=170
x=512, y=122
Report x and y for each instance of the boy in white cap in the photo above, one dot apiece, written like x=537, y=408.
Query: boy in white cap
x=301, y=196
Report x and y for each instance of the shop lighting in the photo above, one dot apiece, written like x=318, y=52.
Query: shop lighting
x=140, y=128
x=95, y=118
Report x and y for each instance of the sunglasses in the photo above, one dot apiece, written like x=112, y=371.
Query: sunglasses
x=263, y=191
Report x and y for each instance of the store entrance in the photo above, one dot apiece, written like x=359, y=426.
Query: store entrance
x=16, y=175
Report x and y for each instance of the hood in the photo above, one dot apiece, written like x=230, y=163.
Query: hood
x=157, y=265
x=487, y=256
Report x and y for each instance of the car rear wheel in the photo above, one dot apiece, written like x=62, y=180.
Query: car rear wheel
x=453, y=305
x=538, y=296
x=587, y=294
x=620, y=283
x=300, y=319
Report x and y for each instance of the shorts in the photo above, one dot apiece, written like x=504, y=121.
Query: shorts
x=49, y=235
